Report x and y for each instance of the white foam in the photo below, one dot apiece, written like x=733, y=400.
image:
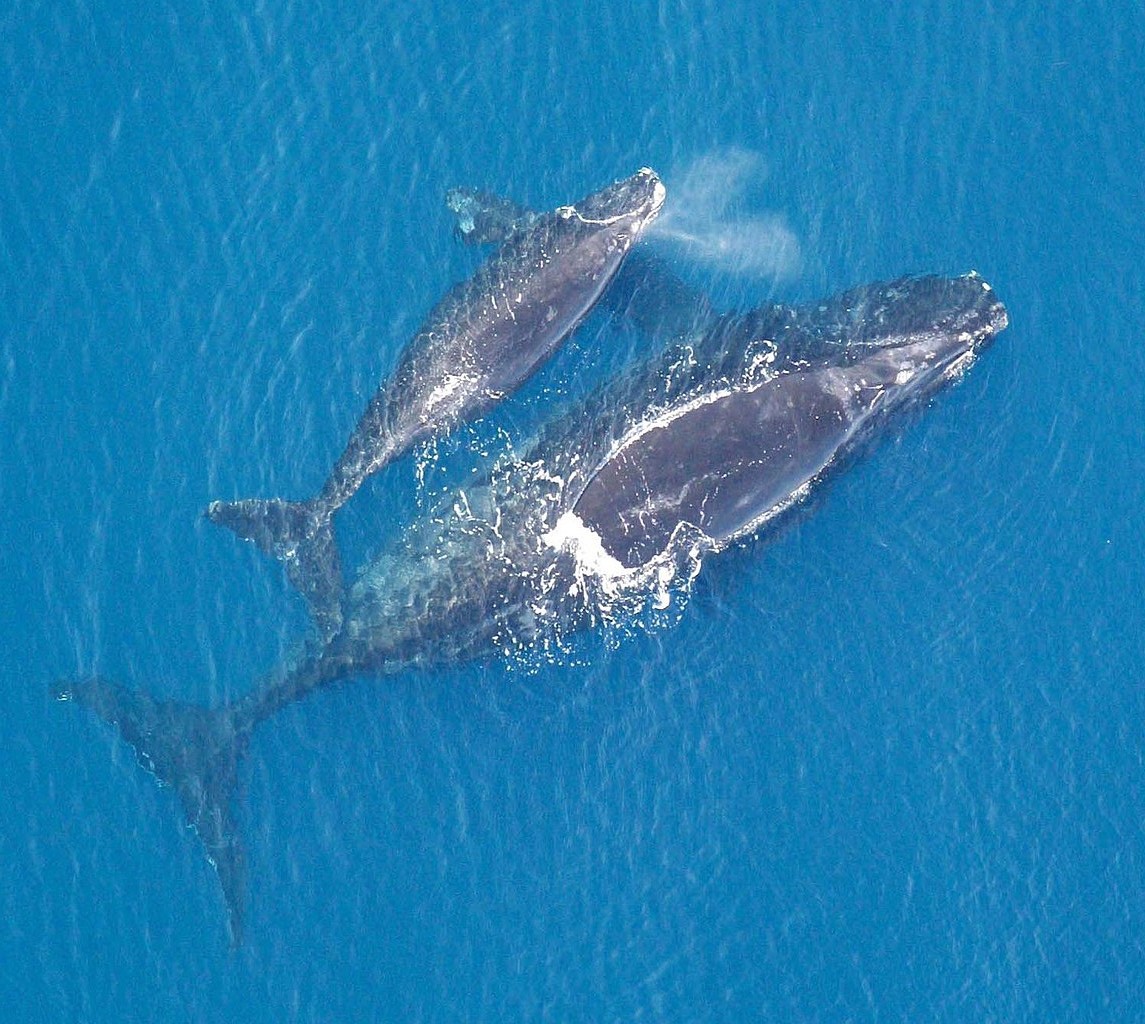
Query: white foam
x=570, y=534
x=452, y=384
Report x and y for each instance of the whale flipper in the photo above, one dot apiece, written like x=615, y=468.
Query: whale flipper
x=486, y=219
x=194, y=750
x=301, y=536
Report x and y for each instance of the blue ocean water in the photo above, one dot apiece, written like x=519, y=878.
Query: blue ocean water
x=889, y=766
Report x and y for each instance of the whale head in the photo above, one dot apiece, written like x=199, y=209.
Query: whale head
x=626, y=206
x=920, y=334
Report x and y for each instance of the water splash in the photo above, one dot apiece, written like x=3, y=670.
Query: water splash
x=700, y=218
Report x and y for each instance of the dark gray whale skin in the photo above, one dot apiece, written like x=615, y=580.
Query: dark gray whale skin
x=706, y=442
x=484, y=339
x=727, y=460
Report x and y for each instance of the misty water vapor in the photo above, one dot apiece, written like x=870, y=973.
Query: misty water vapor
x=706, y=220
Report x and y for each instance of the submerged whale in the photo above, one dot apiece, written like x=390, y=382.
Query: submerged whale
x=483, y=340
x=616, y=502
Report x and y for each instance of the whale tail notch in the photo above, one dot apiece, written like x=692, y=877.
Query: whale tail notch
x=300, y=534
x=193, y=750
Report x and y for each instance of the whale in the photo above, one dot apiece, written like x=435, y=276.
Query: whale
x=479, y=344
x=612, y=507
x=729, y=459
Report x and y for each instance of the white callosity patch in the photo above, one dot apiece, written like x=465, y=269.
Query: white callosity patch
x=659, y=194
x=960, y=365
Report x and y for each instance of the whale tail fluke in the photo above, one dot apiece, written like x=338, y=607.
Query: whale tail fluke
x=300, y=534
x=195, y=751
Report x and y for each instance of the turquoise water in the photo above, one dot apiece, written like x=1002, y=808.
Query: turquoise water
x=887, y=767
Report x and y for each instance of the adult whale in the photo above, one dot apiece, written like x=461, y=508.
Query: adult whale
x=485, y=337
x=728, y=459
x=709, y=441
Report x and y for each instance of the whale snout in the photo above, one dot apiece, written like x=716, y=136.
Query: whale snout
x=637, y=199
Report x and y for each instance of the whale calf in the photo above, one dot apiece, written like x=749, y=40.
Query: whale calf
x=484, y=339
x=708, y=441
